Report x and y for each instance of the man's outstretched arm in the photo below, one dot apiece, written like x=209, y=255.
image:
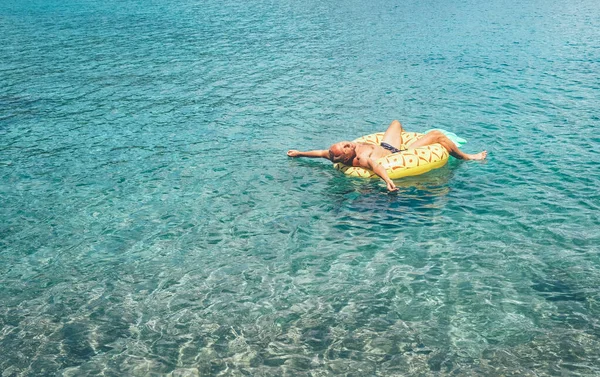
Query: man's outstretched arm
x=314, y=154
x=381, y=172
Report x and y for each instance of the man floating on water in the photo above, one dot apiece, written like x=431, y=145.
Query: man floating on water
x=365, y=155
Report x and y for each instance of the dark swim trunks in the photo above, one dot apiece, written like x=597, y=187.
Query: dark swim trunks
x=391, y=148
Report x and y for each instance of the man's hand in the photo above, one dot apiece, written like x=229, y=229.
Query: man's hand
x=293, y=153
x=391, y=186
x=380, y=171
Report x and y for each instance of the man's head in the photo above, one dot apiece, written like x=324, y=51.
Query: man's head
x=343, y=152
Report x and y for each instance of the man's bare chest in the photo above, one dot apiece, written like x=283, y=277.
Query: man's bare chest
x=365, y=152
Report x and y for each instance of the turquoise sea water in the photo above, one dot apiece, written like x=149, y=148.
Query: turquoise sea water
x=152, y=224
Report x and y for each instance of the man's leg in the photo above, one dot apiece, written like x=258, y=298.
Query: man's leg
x=434, y=137
x=393, y=135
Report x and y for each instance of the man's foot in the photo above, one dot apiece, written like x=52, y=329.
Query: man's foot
x=476, y=156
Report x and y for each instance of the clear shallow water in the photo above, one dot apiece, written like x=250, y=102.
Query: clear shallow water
x=152, y=224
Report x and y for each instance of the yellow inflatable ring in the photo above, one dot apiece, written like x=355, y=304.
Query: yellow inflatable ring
x=402, y=164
